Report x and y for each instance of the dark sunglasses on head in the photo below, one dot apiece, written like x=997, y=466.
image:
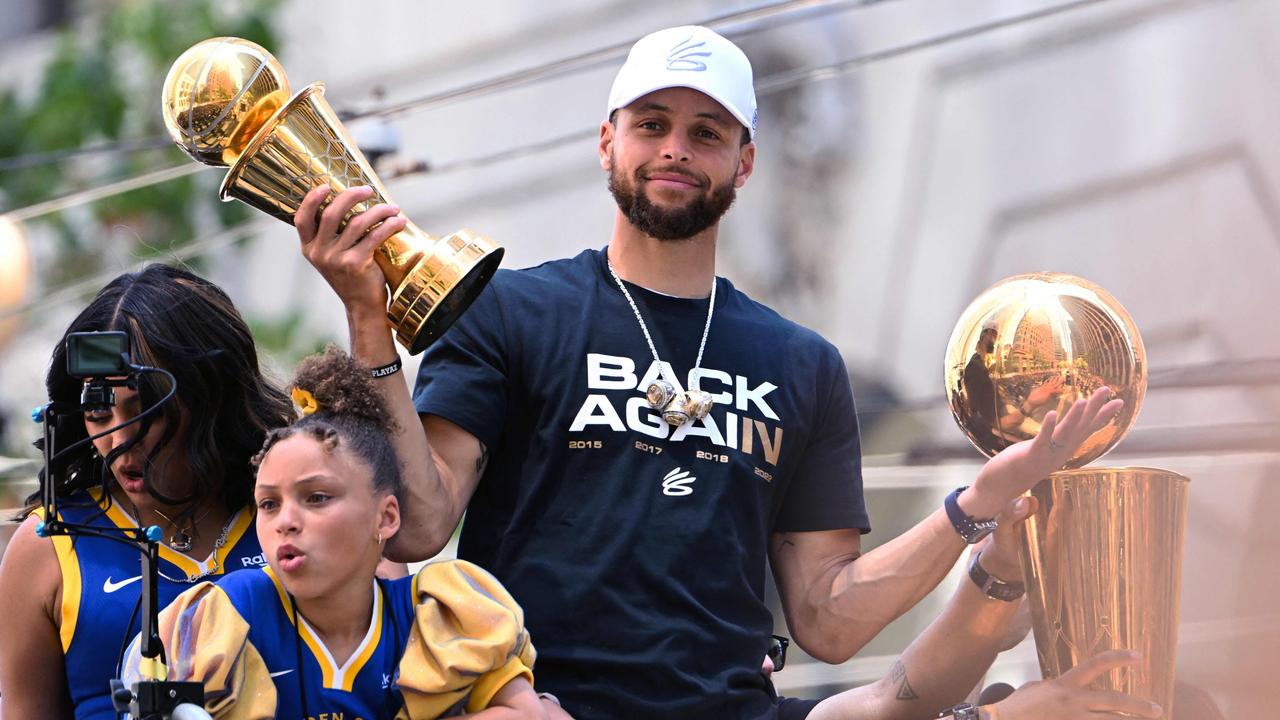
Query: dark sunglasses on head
x=778, y=651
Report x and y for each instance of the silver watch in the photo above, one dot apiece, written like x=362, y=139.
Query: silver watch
x=963, y=711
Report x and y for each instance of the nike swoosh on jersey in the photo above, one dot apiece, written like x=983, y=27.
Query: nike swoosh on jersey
x=110, y=587
x=282, y=672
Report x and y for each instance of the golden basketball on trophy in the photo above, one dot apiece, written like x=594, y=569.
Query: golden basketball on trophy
x=1039, y=342
x=227, y=103
x=1102, y=555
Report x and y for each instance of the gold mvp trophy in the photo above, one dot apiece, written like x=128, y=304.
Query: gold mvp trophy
x=1102, y=555
x=227, y=103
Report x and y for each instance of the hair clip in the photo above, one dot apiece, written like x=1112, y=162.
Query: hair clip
x=304, y=402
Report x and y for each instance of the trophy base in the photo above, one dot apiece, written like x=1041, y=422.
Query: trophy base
x=440, y=287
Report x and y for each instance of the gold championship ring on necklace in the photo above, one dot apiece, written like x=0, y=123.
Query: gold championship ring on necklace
x=686, y=406
x=659, y=393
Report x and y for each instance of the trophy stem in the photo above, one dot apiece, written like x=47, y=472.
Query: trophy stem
x=399, y=253
x=432, y=280
x=1102, y=558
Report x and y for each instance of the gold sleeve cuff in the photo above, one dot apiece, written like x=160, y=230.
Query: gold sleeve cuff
x=487, y=686
x=468, y=640
x=207, y=640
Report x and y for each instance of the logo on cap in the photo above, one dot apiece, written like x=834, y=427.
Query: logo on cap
x=683, y=56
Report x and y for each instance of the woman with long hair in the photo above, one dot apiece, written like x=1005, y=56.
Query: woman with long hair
x=316, y=633
x=72, y=602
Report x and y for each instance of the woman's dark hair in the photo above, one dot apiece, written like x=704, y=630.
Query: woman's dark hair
x=188, y=326
x=349, y=412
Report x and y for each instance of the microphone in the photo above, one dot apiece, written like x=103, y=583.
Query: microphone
x=995, y=693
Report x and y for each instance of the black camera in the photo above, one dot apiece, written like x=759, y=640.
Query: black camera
x=98, y=354
x=102, y=360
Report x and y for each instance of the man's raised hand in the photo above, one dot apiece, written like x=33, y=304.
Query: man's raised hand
x=345, y=259
x=1018, y=468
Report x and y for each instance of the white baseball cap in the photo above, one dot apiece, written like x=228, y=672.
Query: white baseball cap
x=689, y=56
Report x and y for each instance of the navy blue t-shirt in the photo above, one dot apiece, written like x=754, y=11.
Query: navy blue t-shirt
x=638, y=550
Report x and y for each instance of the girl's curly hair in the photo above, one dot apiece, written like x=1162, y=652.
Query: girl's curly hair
x=350, y=412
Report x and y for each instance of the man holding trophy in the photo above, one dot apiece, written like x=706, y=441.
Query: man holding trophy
x=633, y=438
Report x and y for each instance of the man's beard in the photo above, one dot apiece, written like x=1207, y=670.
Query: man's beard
x=679, y=223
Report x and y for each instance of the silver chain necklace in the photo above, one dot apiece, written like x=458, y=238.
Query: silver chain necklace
x=180, y=539
x=677, y=408
x=216, y=566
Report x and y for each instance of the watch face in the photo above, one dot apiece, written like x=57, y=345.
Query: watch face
x=980, y=531
x=963, y=711
x=1006, y=592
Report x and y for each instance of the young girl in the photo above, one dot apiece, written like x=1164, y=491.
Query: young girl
x=70, y=603
x=316, y=634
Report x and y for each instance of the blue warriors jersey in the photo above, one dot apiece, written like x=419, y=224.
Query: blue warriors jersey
x=101, y=586
x=303, y=670
x=440, y=644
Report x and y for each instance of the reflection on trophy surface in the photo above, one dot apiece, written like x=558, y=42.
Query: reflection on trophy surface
x=227, y=103
x=1036, y=343
x=1102, y=555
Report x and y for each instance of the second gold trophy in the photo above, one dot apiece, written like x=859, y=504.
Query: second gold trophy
x=227, y=103
x=1102, y=555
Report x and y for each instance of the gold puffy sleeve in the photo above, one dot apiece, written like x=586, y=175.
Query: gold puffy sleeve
x=206, y=640
x=468, y=640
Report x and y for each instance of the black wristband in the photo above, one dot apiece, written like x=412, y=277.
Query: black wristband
x=992, y=586
x=390, y=368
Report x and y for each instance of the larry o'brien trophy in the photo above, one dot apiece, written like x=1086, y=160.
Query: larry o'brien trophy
x=1102, y=555
x=227, y=103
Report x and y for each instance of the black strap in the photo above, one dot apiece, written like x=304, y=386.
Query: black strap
x=390, y=368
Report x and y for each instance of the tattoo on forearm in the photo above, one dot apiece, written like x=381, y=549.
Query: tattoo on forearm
x=483, y=460
x=899, y=677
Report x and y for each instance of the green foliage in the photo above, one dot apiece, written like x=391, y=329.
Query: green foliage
x=284, y=339
x=103, y=85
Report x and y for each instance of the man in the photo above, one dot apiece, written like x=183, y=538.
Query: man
x=567, y=412
x=983, y=399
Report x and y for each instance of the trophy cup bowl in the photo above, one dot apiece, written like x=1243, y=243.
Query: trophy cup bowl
x=226, y=103
x=1102, y=555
